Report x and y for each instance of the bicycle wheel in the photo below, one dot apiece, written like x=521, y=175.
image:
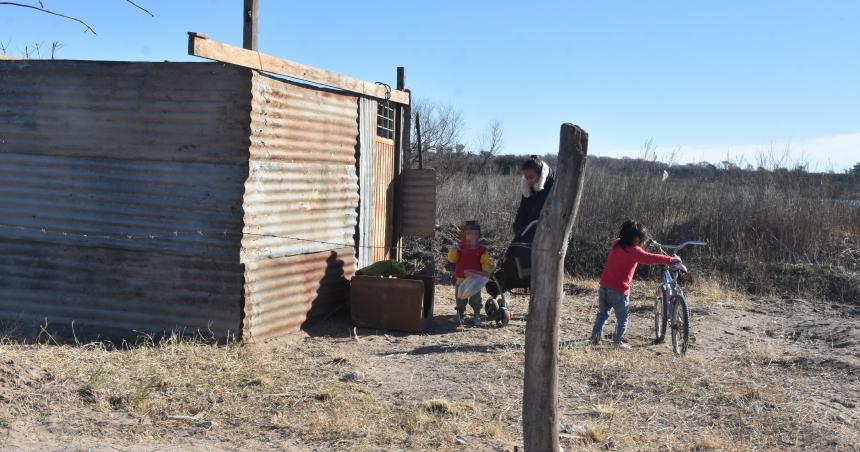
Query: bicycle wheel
x=680, y=324
x=660, y=319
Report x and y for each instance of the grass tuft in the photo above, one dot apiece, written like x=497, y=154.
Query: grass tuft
x=706, y=443
x=595, y=434
x=442, y=407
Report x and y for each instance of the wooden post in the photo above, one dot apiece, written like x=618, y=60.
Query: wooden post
x=540, y=388
x=250, y=14
x=400, y=135
x=418, y=132
x=405, y=115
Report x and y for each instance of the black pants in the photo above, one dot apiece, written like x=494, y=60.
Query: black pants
x=508, y=276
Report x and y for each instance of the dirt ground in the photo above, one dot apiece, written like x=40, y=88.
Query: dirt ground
x=772, y=374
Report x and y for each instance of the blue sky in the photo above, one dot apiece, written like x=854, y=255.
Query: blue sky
x=705, y=80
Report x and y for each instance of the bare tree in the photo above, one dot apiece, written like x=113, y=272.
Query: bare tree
x=491, y=144
x=441, y=132
x=441, y=126
x=55, y=46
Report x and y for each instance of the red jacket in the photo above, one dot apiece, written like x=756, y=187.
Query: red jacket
x=621, y=265
x=470, y=258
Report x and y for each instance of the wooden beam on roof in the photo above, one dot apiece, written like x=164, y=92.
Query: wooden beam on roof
x=199, y=45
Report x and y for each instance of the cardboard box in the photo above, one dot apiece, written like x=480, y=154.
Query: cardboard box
x=399, y=304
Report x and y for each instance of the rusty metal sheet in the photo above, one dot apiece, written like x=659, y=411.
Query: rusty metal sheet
x=366, y=146
x=387, y=303
x=282, y=293
x=300, y=205
x=168, y=192
x=301, y=195
x=182, y=208
x=121, y=189
x=383, y=197
x=123, y=110
x=418, y=205
x=115, y=293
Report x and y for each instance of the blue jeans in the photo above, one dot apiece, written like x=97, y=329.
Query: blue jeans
x=611, y=299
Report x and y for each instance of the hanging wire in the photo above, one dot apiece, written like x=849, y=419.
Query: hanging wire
x=177, y=234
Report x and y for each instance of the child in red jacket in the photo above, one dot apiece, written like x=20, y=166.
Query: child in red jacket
x=471, y=253
x=625, y=255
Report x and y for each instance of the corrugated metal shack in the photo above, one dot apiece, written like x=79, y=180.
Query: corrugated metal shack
x=151, y=197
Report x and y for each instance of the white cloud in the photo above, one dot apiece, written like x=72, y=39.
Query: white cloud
x=836, y=152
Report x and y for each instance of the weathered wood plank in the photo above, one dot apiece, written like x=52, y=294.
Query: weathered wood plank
x=199, y=45
x=540, y=387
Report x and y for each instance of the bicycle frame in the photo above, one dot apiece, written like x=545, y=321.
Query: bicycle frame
x=670, y=286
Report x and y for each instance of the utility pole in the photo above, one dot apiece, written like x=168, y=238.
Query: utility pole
x=250, y=13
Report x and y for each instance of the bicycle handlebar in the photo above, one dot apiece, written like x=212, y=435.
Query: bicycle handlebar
x=677, y=248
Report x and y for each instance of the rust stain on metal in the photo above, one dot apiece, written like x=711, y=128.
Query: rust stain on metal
x=419, y=202
x=301, y=194
x=196, y=112
x=300, y=205
x=154, y=196
x=281, y=293
x=383, y=197
x=121, y=190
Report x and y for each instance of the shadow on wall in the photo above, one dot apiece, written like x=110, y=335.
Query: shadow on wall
x=332, y=294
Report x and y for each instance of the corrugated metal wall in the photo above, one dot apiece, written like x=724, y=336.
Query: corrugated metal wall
x=383, y=199
x=160, y=196
x=366, y=147
x=301, y=201
x=419, y=202
x=376, y=182
x=285, y=291
x=121, y=194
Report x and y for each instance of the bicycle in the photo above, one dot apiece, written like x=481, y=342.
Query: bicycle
x=671, y=301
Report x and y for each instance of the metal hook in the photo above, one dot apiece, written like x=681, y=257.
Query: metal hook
x=387, y=91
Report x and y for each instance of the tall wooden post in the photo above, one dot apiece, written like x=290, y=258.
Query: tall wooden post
x=250, y=13
x=406, y=117
x=401, y=134
x=540, y=388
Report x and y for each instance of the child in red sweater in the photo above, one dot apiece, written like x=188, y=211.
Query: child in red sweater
x=471, y=253
x=625, y=255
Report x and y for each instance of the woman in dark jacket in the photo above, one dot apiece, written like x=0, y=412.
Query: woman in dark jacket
x=536, y=183
x=514, y=271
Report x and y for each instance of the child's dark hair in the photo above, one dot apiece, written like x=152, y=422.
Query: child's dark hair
x=471, y=225
x=630, y=231
x=533, y=163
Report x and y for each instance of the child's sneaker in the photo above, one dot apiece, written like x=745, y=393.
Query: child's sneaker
x=621, y=345
x=477, y=320
x=457, y=318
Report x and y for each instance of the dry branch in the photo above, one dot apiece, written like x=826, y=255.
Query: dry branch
x=48, y=11
x=141, y=8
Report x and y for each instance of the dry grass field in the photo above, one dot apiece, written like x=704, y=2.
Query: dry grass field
x=762, y=373
x=773, y=362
